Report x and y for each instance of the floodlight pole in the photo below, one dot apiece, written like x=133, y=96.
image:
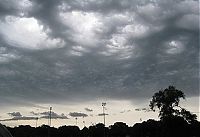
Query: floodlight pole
x=50, y=116
x=104, y=115
x=36, y=122
x=83, y=121
x=76, y=121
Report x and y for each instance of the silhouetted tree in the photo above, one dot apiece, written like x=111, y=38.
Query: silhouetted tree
x=119, y=129
x=174, y=126
x=175, y=122
x=84, y=132
x=71, y=131
x=99, y=130
x=167, y=101
x=149, y=128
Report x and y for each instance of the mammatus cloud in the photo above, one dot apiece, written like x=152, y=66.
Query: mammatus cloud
x=27, y=33
x=77, y=114
x=72, y=50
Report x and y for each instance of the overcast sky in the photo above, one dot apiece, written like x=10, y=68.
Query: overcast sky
x=76, y=52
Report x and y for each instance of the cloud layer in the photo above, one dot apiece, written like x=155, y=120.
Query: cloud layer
x=15, y=116
x=83, y=50
x=77, y=114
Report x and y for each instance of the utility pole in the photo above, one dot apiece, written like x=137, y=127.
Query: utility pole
x=50, y=112
x=104, y=118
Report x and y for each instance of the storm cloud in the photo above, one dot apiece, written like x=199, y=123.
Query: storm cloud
x=83, y=50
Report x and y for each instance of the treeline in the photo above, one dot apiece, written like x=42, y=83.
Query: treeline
x=175, y=121
x=169, y=127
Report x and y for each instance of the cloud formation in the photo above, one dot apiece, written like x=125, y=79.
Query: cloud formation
x=43, y=115
x=15, y=114
x=54, y=115
x=125, y=111
x=34, y=113
x=88, y=110
x=18, y=116
x=83, y=50
x=102, y=114
x=77, y=114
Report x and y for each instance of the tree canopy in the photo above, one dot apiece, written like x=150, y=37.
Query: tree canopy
x=167, y=101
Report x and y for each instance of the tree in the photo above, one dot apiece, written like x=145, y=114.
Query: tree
x=167, y=101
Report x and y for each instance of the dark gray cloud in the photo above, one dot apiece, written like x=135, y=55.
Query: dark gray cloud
x=88, y=109
x=102, y=114
x=43, y=115
x=91, y=49
x=18, y=116
x=54, y=115
x=143, y=109
x=15, y=114
x=77, y=114
x=11, y=7
x=125, y=111
x=34, y=113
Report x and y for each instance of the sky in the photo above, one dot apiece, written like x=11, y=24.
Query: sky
x=73, y=55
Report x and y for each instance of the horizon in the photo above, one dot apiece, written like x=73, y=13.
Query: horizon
x=74, y=55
